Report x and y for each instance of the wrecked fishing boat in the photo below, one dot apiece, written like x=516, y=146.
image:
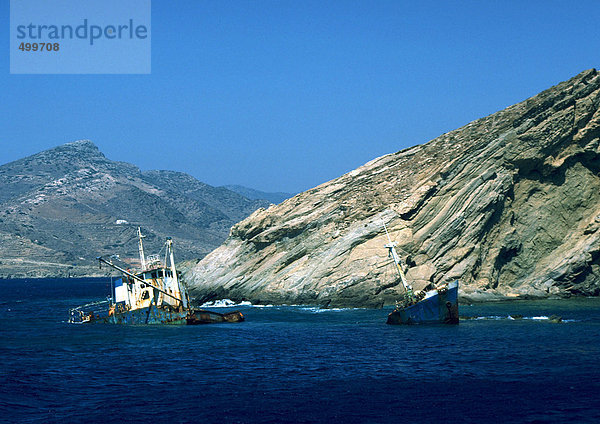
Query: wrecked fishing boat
x=154, y=295
x=431, y=305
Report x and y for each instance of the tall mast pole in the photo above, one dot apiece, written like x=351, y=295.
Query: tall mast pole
x=182, y=290
x=391, y=246
x=141, y=249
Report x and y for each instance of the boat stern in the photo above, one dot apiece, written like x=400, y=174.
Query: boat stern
x=439, y=306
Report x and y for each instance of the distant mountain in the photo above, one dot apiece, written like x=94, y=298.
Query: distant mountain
x=250, y=193
x=61, y=208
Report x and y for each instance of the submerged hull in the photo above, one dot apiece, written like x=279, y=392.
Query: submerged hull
x=438, y=307
x=153, y=315
x=208, y=317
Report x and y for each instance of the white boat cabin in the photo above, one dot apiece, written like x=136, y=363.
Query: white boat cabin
x=157, y=284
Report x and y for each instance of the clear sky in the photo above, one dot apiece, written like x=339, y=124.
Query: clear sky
x=285, y=95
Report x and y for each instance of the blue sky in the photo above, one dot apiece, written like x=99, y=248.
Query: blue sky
x=285, y=95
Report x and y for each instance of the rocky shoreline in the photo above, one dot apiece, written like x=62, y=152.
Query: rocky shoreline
x=508, y=204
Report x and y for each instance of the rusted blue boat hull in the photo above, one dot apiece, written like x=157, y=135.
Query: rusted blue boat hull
x=153, y=315
x=439, y=308
x=139, y=316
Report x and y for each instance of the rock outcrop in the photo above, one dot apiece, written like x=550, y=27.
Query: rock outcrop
x=508, y=204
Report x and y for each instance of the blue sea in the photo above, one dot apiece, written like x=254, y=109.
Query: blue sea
x=296, y=364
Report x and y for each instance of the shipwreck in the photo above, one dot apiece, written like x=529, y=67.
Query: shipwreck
x=155, y=294
x=434, y=304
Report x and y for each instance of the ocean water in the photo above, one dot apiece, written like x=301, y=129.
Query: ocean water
x=295, y=364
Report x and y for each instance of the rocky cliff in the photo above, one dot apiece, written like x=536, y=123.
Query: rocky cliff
x=508, y=204
x=61, y=208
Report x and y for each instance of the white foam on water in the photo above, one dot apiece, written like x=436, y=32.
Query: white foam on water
x=318, y=310
x=334, y=310
x=309, y=308
x=224, y=303
x=511, y=318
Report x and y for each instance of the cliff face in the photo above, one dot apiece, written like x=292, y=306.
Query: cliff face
x=61, y=208
x=508, y=204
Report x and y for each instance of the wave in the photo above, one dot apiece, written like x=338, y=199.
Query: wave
x=10, y=302
x=551, y=318
x=228, y=303
x=318, y=310
x=224, y=303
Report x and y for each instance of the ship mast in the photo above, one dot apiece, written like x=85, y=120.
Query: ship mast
x=391, y=246
x=141, y=249
x=182, y=290
x=135, y=277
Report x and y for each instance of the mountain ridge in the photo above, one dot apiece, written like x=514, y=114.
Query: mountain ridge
x=62, y=207
x=250, y=193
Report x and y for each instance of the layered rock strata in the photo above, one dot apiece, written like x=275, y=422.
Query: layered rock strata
x=508, y=204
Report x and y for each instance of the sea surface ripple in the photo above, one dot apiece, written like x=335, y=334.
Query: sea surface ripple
x=295, y=364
